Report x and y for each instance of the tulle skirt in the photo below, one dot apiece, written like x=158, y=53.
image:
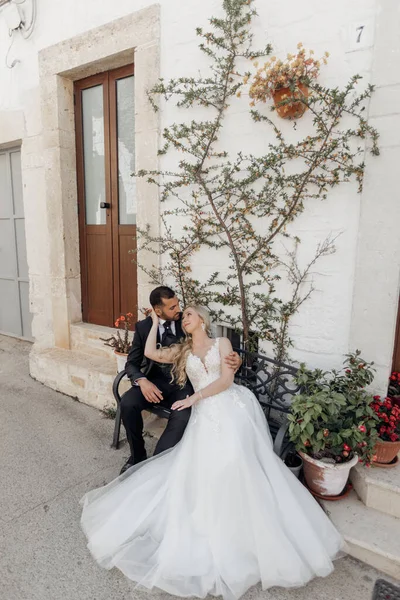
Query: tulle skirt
x=216, y=514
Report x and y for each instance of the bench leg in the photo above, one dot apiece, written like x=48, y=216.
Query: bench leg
x=117, y=428
x=280, y=437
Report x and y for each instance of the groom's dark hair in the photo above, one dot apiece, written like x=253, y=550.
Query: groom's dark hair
x=157, y=295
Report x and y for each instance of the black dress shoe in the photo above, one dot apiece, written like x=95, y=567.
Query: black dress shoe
x=130, y=462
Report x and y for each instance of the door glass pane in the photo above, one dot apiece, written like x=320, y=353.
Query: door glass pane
x=16, y=179
x=93, y=153
x=21, y=248
x=5, y=204
x=126, y=150
x=7, y=249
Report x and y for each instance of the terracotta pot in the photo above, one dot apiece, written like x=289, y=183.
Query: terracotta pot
x=121, y=360
x=324, y=478
x=385, y=452
x=292, y=110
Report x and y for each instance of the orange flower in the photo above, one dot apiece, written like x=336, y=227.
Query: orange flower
x=116, y=323
x=122, y=318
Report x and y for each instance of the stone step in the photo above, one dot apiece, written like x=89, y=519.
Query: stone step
x=86, y=377
x=378, y=488
x=371, y=536
x=85, y=337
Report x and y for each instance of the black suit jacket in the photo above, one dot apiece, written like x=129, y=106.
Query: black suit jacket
x=137, y=365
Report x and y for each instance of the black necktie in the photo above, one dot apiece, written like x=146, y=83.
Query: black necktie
x=168, y=337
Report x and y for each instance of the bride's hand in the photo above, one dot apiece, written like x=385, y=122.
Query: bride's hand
x=150, y=312
x=182, y=404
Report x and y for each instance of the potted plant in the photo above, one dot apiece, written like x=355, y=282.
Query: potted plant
x=121, y=343
x=332, y=424
x=294, y=462
x=287, y=82
x=387, y=446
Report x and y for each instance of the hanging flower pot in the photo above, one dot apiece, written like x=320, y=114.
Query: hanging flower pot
x=288, y=82
x=288, y=102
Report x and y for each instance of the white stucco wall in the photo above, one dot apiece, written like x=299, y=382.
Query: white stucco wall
x=357, y=288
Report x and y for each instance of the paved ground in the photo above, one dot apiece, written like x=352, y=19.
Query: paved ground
x=52, y=450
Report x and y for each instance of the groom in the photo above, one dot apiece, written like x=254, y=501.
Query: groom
x=151, y=382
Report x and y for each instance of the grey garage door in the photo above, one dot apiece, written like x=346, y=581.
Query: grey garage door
x=15, y=318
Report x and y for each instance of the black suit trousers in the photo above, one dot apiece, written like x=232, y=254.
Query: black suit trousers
x=132, y=404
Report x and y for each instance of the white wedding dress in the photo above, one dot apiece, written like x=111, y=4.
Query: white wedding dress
x=217, y=513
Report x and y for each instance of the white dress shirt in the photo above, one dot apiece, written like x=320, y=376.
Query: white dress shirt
x=161, y=327
x=161, y=331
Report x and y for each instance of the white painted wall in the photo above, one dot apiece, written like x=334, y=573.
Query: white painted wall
x=329, y=325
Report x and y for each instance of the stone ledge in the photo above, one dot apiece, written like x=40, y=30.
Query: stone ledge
x=85, y=338
x=87, y=378
x=370, y=535
x=378, y=488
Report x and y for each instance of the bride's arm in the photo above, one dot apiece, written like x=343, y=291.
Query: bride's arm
x=161, y=355
x=219, y=385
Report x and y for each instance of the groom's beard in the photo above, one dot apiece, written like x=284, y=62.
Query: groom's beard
x=174, y=318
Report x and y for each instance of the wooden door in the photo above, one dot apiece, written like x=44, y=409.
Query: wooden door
x=105, y=142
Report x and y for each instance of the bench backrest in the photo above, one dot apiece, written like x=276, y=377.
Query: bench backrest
x=270, y=381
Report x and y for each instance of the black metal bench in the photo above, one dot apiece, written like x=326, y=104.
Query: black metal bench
x=271, y=382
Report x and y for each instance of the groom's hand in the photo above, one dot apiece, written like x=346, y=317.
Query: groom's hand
x=233, y=361
x=150, y=391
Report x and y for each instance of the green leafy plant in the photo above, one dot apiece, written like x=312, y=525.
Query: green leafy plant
x=332, y=418
x=110, y=412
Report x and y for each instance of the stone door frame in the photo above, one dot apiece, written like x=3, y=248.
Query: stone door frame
x=134, y=38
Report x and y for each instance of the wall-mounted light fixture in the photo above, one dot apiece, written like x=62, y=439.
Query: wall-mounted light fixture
x=19, y=15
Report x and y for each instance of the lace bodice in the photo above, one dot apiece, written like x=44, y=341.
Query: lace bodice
x=202, y=373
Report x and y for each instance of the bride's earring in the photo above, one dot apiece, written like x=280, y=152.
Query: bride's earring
x=203, y=326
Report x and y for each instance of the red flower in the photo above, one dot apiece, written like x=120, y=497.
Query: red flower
x=346, y=447
x=362, y=428
x=377, y=398
x=394, y=437
x=348, y=370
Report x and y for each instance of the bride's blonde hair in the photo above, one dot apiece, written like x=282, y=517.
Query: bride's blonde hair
x=179, y=367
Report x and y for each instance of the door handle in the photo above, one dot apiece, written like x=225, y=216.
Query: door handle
x=105, y=205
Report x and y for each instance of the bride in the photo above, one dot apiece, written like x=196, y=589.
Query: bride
x=220, y=511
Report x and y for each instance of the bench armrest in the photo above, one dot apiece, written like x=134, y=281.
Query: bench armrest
x=115, y=387
x=280, y=437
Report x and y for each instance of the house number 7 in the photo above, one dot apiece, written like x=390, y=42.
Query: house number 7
x=359, y=30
